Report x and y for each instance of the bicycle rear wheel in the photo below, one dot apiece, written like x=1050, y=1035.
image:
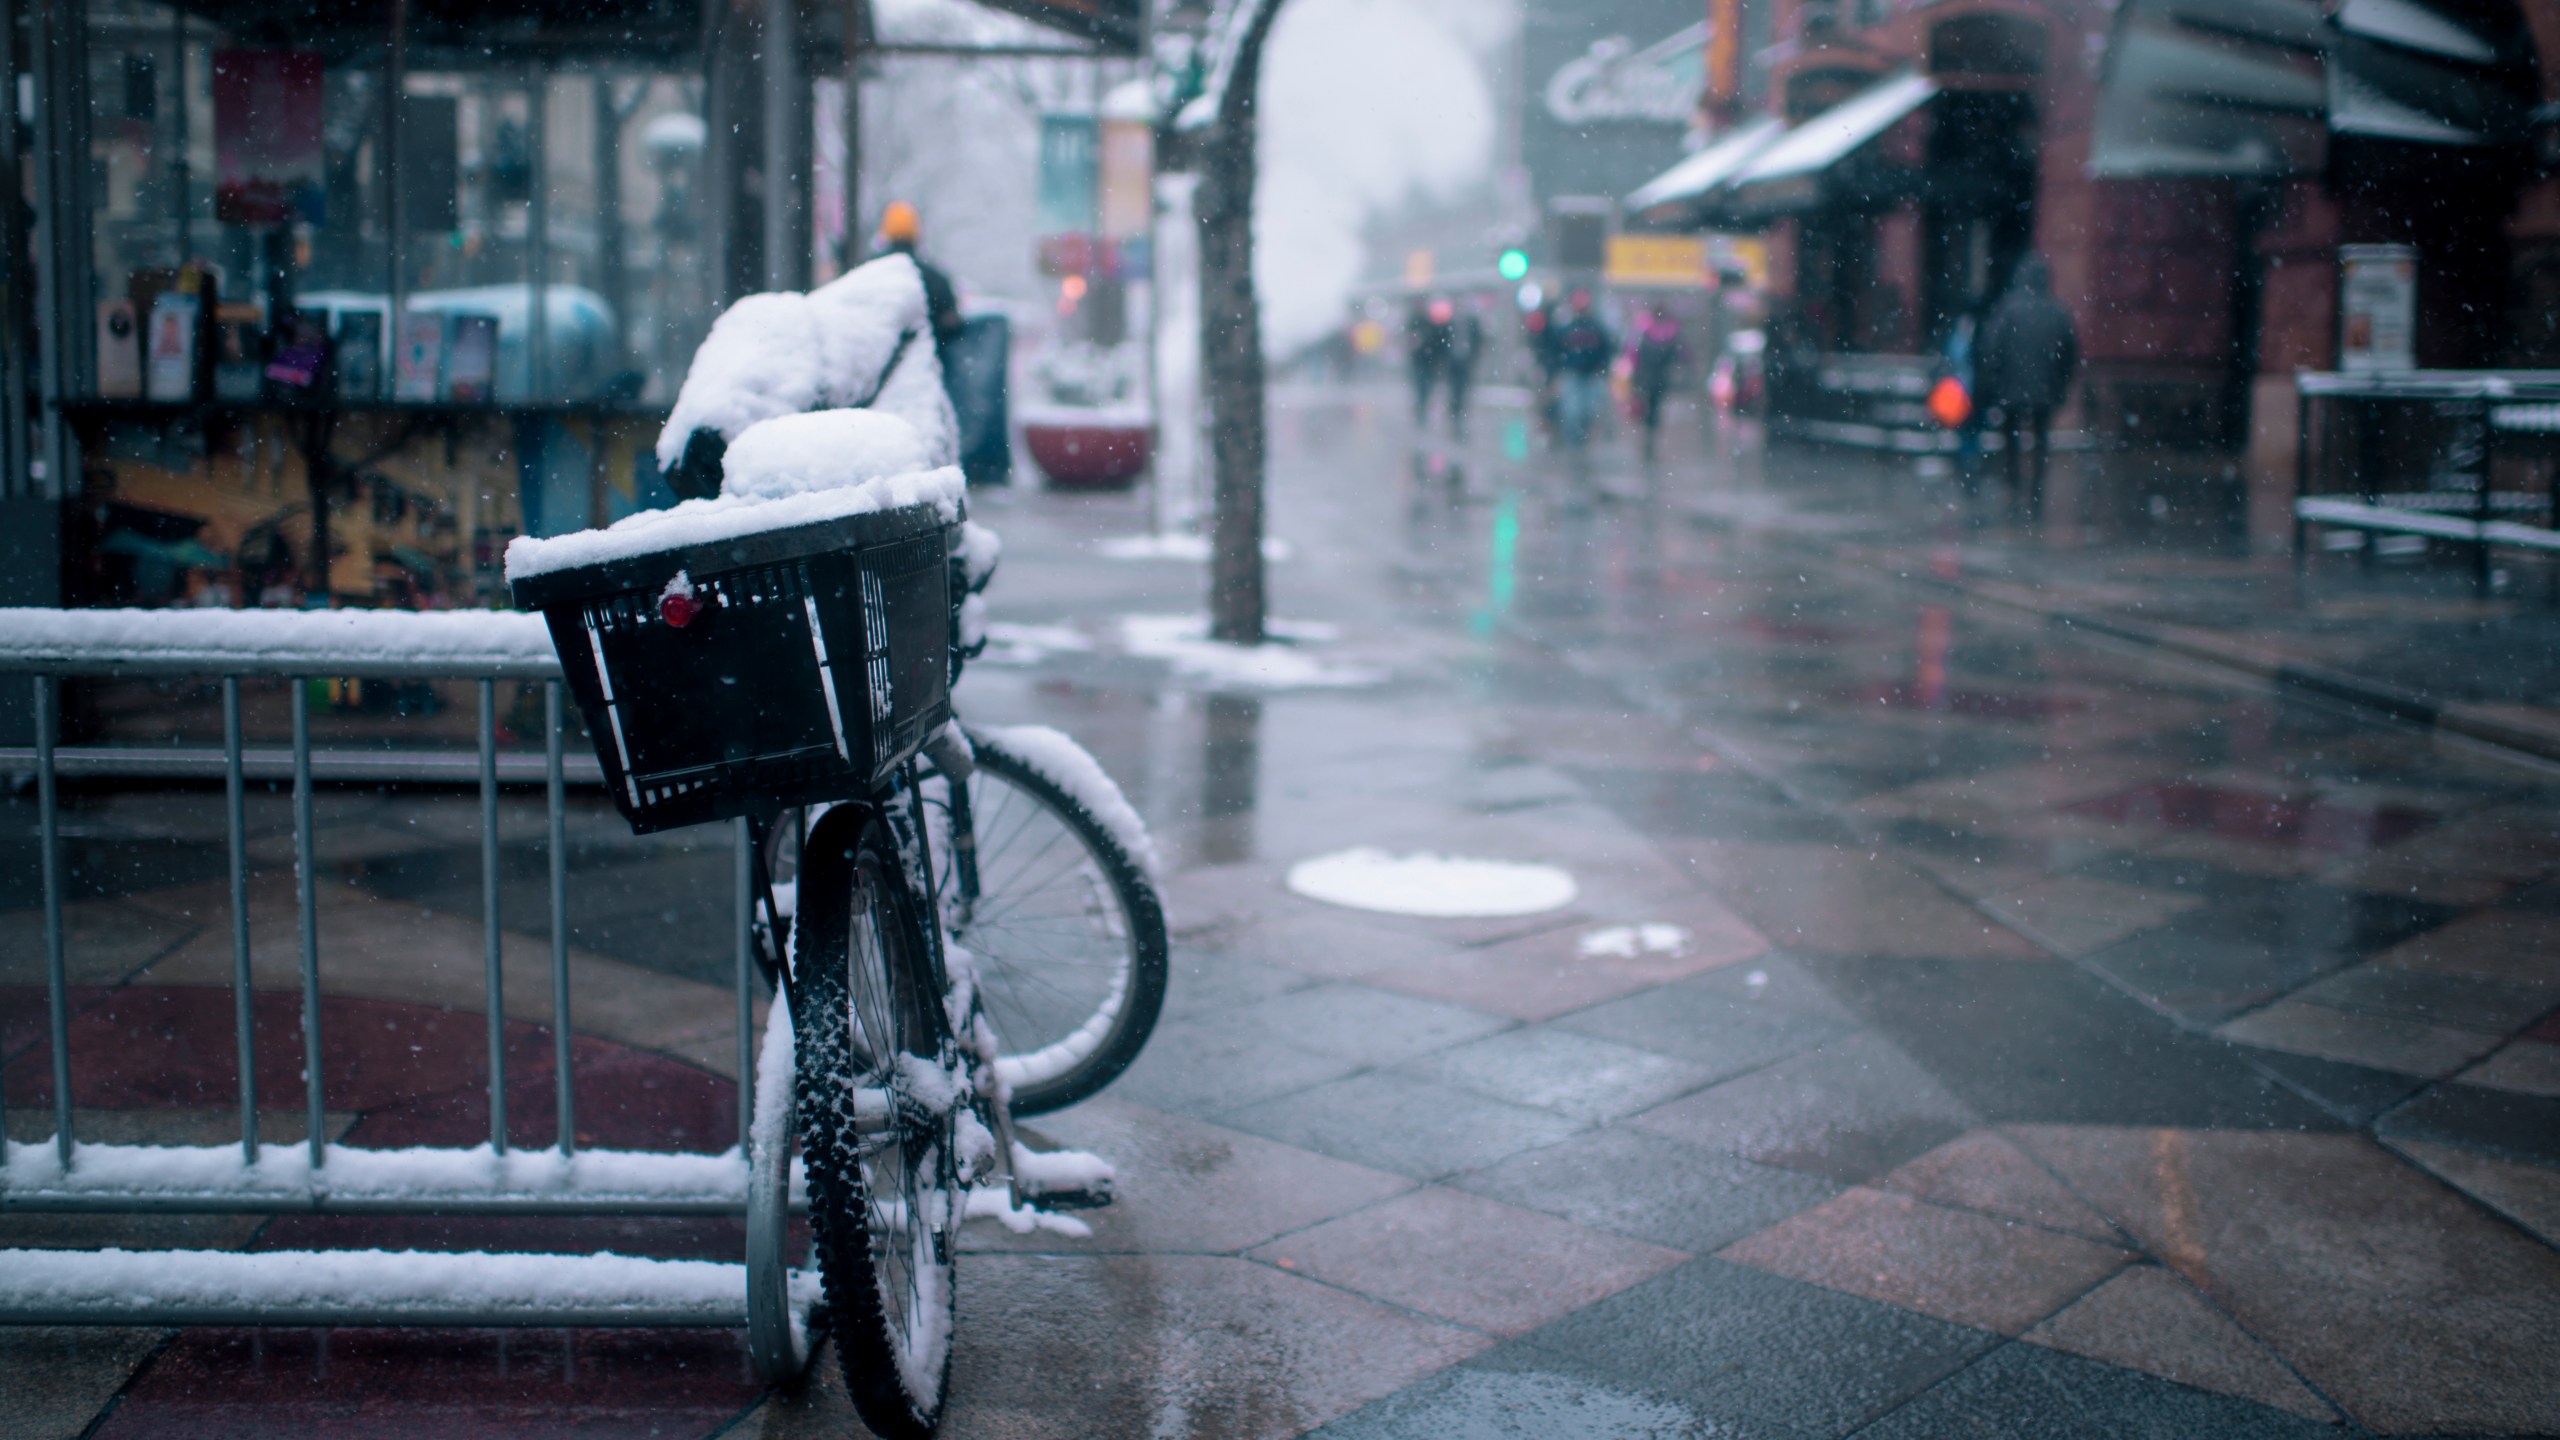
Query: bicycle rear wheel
x=878, y=1119
x=1061, y=920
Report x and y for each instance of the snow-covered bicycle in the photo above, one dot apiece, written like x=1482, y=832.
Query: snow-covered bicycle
x=783, y=654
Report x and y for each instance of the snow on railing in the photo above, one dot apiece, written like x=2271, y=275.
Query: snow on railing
x=478, y=643
x=116, y=1287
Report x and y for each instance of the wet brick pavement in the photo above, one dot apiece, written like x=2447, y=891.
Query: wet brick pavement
x=2068, y=1043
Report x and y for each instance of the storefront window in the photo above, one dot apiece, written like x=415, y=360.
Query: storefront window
x=326, y=355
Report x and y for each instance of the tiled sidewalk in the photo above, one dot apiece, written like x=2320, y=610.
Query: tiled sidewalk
x=1939, y=1126
x=2153, y=549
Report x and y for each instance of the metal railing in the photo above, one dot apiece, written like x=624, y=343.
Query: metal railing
x=2423, y=453
x=47, y=647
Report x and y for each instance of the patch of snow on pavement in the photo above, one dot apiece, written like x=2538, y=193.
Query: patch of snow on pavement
x=1444, y=887
x=1192, y=549
x=1183, y=641
x=1011, y=644
x=1626, y=942
x=995, y=1202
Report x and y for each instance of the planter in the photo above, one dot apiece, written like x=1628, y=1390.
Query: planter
x=1105, y=452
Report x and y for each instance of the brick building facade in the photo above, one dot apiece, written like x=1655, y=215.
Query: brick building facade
x=2189, y=168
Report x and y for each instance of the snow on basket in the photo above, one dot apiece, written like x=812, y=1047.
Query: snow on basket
x=823, y=450
x=1447, y=887
x=711, y=522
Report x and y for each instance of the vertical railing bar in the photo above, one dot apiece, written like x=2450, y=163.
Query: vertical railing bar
x=746, y=983
x=57, y=979
x=236, y=807
x=555, y=786
x=306, y=881
x=489, y=914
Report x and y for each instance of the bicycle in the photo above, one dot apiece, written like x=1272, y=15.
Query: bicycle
x=804, y=667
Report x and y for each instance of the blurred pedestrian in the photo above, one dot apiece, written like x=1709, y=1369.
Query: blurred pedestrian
x=901, y=229
x=1426, y=347
x=1960, y=362
x=1466, y=346
x=1583, y=348
x=974, y=353
x=2029, y=352
x=1652, y=362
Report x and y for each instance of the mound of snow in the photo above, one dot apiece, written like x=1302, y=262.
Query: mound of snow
x=1011, y=644
x=1626, y=942
x=783, y=352
x=1183, y=641
x=1192, y=549
x=821, y=450
x=1444, y=887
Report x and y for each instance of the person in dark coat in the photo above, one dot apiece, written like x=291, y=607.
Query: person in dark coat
x=1466, y=343
x=900, y=228
x=1426, y=343
x=1654, y=357
x=2029, y=352
x=1583, y=349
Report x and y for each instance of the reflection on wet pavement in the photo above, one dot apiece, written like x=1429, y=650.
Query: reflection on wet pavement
x=2063, y=1042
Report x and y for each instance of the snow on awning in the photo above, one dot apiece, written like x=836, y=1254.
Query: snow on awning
x=2255, y=87
x=1837, y=133
x=2414, y=26
x=2179, y=101
x=1710, y=167
x=2357, y=107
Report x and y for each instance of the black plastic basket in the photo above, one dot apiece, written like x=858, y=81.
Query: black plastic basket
x=814, y=661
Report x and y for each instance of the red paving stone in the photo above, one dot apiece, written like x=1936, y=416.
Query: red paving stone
x=2414, y=1310
x=1972, y=1269
x=415, y=1074
x=394, y=1384
x=2263, y=819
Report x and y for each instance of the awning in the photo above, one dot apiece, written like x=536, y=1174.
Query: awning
x=2225, y=87
x=1836, y=133
x=2358, y=107
x=1708, y=168
x=2415, y=27
x=2179, y=100
x=1787, y=176
x=176, y=554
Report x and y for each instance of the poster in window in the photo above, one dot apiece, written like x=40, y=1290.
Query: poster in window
x=267, y=138
x=119, y=351
x=2377, y=307
x=169, y=364
x=418, y=366
x=471, y=363
x=358, y=352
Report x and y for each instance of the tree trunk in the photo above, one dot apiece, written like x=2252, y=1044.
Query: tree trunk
x=1231, y=347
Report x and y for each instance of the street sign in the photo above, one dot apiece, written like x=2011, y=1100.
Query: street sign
x=1658, y=262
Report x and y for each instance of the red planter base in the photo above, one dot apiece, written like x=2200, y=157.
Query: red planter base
x=1089, y=457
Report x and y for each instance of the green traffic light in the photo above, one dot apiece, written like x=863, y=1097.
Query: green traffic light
x=1513, y=264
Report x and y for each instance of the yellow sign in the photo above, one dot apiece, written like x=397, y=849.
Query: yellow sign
x=1658, y=261
x=1748, y=253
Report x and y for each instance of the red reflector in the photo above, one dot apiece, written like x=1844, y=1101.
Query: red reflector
x=678, y=610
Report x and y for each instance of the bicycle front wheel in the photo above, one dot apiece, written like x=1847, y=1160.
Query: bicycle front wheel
x=1060, y=918
x=878, y=1092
